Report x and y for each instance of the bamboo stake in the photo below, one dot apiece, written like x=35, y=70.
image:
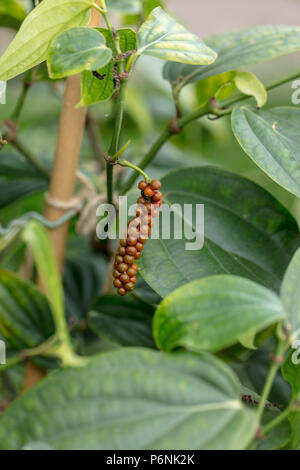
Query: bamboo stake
x=63, y=177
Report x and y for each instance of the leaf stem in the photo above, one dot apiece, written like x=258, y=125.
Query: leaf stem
x=134, y=167
x=27, y=81
x=185, y=120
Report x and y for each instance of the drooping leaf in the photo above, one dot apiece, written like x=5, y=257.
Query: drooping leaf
x=35, y=235
x=31, y=44
x=247, y=232
x=125, y=6
x=75, y=50
x=161, y=36
x=271, y=139
x=212, y=313
x=249, y=84
x=133, y=399
x=238, y=49
x=124, y=321
x=11, y=14
x=290, y=294
x=25, y=316
x=95, y=89
x=18, y=179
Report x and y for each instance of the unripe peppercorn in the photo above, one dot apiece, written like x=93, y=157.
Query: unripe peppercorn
x=139, y=229
x=129, y=286
x=128, y=259
x=155, y=184
x=122, y=291
x=157, y=196
x=125, y=277
x=117, y=283
x=131, y=250
x=139, y=246
x=119, y=259
x=148, y=192
x=142, y=185
x=123, y=267
x=122, y=250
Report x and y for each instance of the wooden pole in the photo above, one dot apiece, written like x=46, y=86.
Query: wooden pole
x=63, y=177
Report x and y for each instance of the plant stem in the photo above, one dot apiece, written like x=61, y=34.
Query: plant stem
x=136, y=168
x=271, y=376
x=276, y=421
x=22, y=98
x=93, y=133
x=185, y=120
x=31, y=159
x=13, y=361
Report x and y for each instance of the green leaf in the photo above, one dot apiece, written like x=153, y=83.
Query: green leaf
x=76, y=50
x=11, y=14
x=94, y=90
x=84, y=273
x=238, y=49
x=31, y=45
x=212, y=313
x=18, y=179
x=25, y=316
x=35, y=235
x=133, y=399
x=247, y=232
x=220, y=86
x=161, y=36
x=279, y=436
x=124, y=321
x=125, y=6
x=271, y=139
x=249, y=84
x=149, y=5
x=290, y=294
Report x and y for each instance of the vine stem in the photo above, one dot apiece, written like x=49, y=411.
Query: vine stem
x=275, y=364
x=118, y=110
x=199, y=113
x=31, y=159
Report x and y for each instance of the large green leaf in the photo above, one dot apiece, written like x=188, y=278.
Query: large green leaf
x=11, y=14
x=161, y=36
x=271, y=138
x=94, y=89
x=31, y=45
x=124, y=321
x=76, y=50
x=133, y=399
x=18, y=178
x=25, y=316
x=290, y=294
x=212, y=313
x=247, y=232
x=238, y=49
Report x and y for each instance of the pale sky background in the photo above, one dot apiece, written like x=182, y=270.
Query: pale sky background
x=206, y=17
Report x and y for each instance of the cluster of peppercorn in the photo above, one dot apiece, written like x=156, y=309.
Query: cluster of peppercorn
x=139, y=230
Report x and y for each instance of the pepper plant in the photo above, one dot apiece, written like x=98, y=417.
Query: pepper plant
x=202, y=354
